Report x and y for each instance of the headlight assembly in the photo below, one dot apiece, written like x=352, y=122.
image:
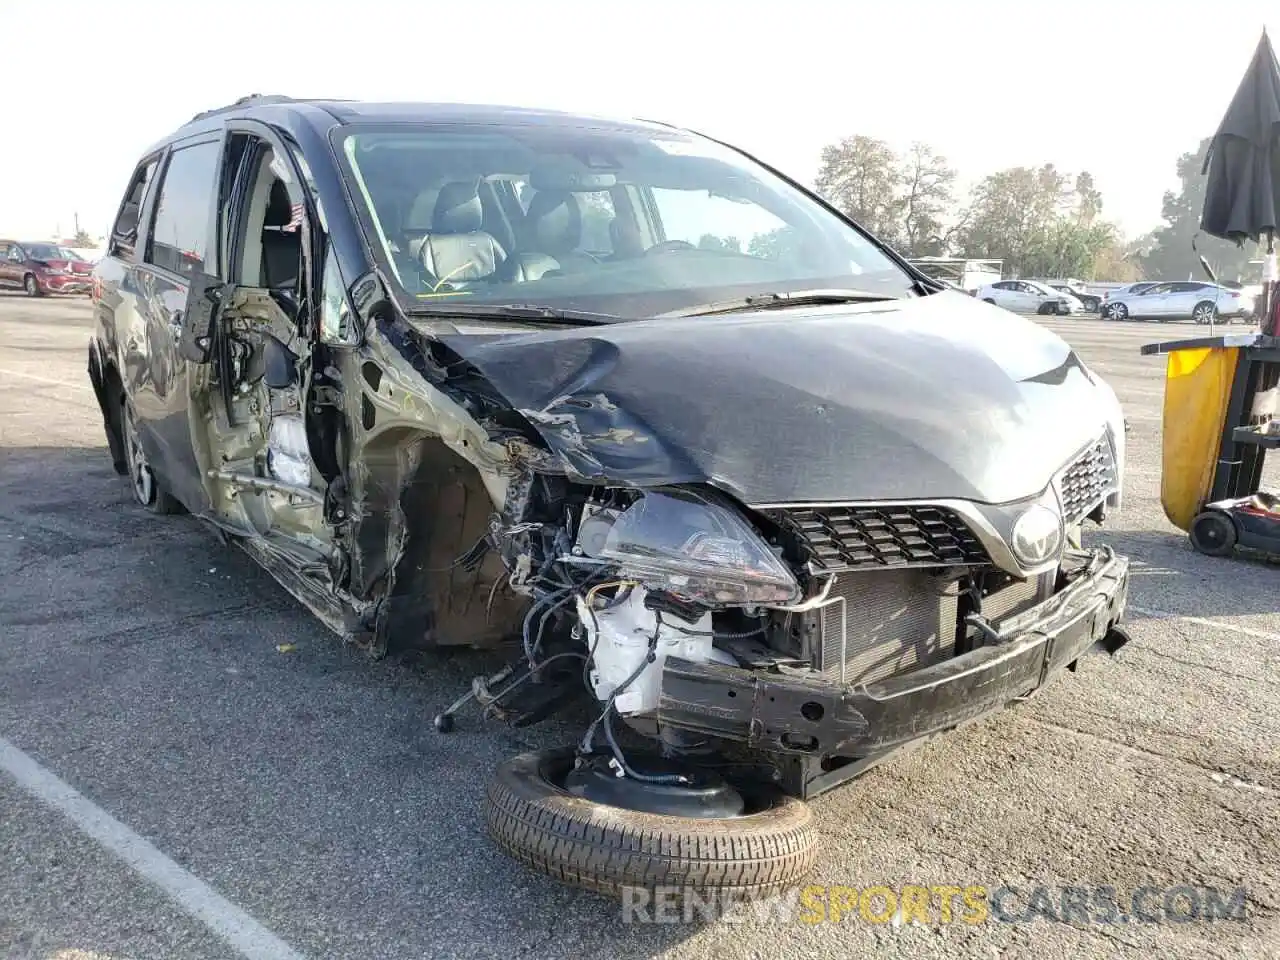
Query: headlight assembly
x=687, y=544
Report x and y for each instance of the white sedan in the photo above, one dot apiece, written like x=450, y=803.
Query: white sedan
x=1179, y=300
x=1029, y=296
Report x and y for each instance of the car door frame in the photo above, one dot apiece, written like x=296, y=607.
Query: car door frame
x=231, y=225
x=157, y=384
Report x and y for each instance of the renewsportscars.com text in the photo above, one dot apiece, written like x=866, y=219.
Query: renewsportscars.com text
x=939, y=904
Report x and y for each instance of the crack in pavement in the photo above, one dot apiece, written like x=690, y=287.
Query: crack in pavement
x=1212, y=771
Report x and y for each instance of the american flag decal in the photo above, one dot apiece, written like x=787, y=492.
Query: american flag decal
x=295, y=219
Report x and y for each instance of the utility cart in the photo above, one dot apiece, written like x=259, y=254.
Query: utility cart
x=1219, y=422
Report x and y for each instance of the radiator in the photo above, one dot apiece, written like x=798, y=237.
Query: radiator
x=884, y=623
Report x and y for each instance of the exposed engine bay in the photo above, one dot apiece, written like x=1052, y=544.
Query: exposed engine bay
x=629, y=583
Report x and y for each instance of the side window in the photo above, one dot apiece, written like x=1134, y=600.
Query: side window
x=124, y=232
x=1003, y=285
x=337, y=322
x=4, y=250
x=180, y=235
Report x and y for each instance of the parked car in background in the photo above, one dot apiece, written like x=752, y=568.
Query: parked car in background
x=1029, y=296
x=41, y=267
x=1090, y=302
x=1130, y=288
x=1179, y=300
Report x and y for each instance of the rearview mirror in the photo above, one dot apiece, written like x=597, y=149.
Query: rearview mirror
x=569, y=177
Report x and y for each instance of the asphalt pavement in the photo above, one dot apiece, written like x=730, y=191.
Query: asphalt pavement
x=192, y=767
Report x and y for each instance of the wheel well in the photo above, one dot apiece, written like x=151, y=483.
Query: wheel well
x=424, y=507
x=110, y=390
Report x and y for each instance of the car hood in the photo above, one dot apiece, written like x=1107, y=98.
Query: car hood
x=933, y=397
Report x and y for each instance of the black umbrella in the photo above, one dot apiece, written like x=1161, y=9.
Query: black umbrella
x=1242, y=197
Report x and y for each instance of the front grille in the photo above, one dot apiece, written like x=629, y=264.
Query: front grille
x=1085, y=483
x=878, y=625
x=864, y=537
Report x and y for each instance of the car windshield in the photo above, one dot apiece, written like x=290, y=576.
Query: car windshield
x=46, y=251
x=624, y=221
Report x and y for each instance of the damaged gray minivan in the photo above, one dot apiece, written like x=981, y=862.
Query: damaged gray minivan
x=732, y=481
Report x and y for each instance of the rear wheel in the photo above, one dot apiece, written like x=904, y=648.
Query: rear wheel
x=988, y=300
x=142, y=481
x=31, y=285
x=1204, y=312
x=530, y=811
x=1213, y=533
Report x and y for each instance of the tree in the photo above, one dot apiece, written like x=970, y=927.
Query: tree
x=1170, y=255
x=861, y=176
x=83, y=240
x=927, y=180
x=709, y=241
x=779, y=244
x=1089, y=199
x=1013, y=210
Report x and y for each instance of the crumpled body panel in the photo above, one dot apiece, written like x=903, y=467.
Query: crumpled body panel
x=938, y=397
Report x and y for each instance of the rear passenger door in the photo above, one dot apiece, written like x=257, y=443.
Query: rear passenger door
x=180, y=244
x=1152, y=302
x=1183, y=297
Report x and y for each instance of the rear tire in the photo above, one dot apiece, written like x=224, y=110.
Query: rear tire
x=610, y=849
x=144, y=484
x=32, y=286
x=988, y=300
x=1204, y=312
x=1213, y=533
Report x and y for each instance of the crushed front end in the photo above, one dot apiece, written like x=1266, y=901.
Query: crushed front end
x=807, y=642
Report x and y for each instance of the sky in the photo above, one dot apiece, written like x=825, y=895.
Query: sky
x=1119, y=89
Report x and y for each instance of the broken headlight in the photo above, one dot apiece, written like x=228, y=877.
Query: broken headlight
x=689, y=545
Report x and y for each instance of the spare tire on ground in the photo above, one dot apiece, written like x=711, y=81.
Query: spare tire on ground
x=769, y=848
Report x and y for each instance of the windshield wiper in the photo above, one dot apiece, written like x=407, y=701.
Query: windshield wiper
x=777, y=301
x=524, y=312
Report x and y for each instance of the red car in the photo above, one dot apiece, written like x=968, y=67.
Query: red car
x=42, y=267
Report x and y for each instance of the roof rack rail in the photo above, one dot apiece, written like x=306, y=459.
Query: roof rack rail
x=254, y=99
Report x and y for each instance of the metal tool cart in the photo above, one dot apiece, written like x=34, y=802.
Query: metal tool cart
x=1219, y=423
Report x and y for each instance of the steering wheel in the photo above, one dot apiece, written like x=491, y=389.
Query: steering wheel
x=669, y=246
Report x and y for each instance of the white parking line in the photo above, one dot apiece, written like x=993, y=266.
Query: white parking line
x=32, y=376
x=1204, y=622
x=249, y=938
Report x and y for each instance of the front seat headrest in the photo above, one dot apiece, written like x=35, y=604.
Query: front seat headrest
x=279, y=208
x=554, y=222
x=458, y=208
